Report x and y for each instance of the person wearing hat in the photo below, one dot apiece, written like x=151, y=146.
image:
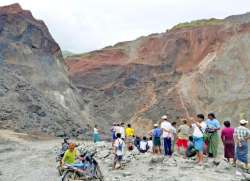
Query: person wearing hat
x=242, y=135
x=156, y=136
x=167, y=134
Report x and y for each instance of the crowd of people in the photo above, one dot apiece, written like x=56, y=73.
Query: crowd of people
x=194, y=137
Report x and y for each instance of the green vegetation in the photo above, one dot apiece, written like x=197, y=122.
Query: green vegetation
x=198, y=23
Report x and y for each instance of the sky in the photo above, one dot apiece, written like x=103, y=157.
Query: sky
x=85, y=25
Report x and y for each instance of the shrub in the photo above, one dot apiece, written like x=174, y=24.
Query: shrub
x=198, y=23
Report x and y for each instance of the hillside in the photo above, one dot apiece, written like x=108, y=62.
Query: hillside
x=198, y=66
x=201, y=66
x=35, y=92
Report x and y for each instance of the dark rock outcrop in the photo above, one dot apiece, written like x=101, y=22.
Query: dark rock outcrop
x=35, y=92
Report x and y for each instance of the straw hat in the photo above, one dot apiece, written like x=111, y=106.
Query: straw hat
x=243, y=121
x=155, y=125
x=164, y=117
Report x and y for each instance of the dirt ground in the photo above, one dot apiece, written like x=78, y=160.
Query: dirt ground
x=32, y=158
x=24, y=157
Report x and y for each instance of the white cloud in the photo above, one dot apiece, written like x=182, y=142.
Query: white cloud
x=84, y=25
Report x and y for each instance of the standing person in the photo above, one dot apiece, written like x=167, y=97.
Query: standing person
x=174, y=125
x=96, y=135
x=156, y=134
x=150, y=144
x=130, y=133
x=122, y=131
x=182, y=137
x=213, y=126
x=199, y=128
x=227, y=137
x=144, y=145
x=113, y=132
x=167, y=134
x=242, y=135
x=118, y=151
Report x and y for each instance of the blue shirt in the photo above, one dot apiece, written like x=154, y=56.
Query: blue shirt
x=157, y=132
x=213, y=123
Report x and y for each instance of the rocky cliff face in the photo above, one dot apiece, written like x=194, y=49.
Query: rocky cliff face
x=35, y=92
x=195, y=67
x=200, y=66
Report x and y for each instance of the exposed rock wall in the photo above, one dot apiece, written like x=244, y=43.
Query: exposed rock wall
x=35, y=92
x=182, y=72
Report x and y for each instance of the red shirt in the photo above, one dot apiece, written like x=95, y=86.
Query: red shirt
x=227, y=135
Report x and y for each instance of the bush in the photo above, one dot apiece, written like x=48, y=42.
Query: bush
x=198, y=23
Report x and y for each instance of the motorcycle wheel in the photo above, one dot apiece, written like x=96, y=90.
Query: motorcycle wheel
x=99, y=174
x=68, y=176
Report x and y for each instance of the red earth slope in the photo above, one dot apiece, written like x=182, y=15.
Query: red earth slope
x=186, y=70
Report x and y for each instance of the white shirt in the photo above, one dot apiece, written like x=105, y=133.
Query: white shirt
x=122, y=131
x=96, y=131
x=167, y=125
x=117, y=129
x=197, y=132
x=174, y=130
x=143, y=145
x=150, y=145
x=118, y=142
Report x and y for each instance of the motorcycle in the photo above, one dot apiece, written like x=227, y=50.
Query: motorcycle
x=88, y=169
x=59, y=156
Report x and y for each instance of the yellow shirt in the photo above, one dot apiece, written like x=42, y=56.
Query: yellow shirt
x=70, y=157
x=130, y=132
